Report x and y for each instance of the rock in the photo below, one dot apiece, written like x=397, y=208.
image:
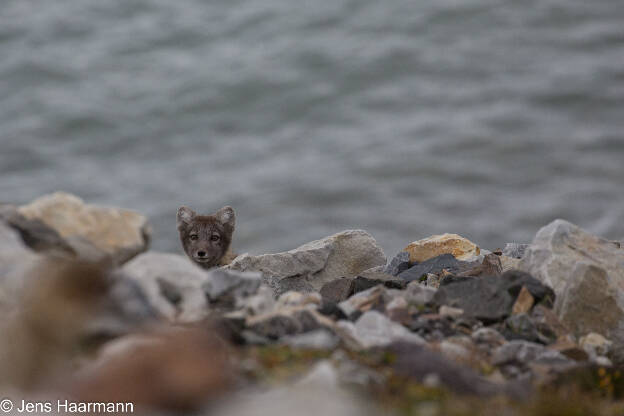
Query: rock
x=481, y=298
x=515, y=250
x=418, y=295
x=15, y=260
x=398, y=264
x=520, y=326
x=432, y=327
x=525, y=352
x=374, y=298
x=489, y=266
x=368, y=280
x=587, y=274
x=433, y=281
x=287, y=321
x=448, y=311
x=398, y=310
x=92, y=232
x=435, y=265
x=509, y=263
x=185, y=367
x=225, y=287
x=570, y=350
x=309, y=267
x=172, y=285
x=595, y=344
x=290, y=299
x=548, y=325
x=261, y=302
x=373, y=329
x=318, y=339
x=430, y=247
x=351, y=373
x=513, y=281
x=422, y=364
x=337, y=290
x=524, y=302
x=489, y=337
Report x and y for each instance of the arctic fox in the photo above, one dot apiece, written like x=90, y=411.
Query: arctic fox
x=206, y=238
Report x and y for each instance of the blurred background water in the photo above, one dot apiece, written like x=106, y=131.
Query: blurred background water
x=487, y=118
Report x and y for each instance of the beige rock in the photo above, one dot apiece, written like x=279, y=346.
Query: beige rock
x=450, y=311
x=460, y=247
x=524, y=302
x=509, y=263
x=595, y=344
x=93, y=232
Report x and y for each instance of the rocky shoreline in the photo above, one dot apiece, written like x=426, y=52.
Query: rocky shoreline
x=443, y=327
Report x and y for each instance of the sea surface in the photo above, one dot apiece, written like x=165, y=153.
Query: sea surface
x=486, y=118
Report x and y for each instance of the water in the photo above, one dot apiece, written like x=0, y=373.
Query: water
x=488, y=118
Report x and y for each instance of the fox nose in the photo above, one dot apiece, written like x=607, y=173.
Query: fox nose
x=201, y=254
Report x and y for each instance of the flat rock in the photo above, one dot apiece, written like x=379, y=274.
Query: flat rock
x=373, y=329
x=287, y=321
x=435, y=265
x=309, y=267
x=91, y=232
x=427, y=248
x=587, y=274
x=367, y=280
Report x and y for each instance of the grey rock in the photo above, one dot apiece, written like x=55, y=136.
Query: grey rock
x=525, y=352
x=226, y=286
x=520, y=326
x=172, y=285
x=515, y=250
x=288, y=321
x=310, y=266
x=488, y=336
x=398, y=264
x=374, y=298
x=374, y=329
x=419, y=295
x=587, y=275
x=259, y=303
x=337, y=290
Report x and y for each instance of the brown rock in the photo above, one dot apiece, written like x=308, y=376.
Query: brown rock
x=524, y=302
x=93, y=232
x=460, y=247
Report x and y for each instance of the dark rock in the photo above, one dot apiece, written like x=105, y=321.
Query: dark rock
x=331, y=309
x=398, y=264
x=549, y=327
x=369, y=280
x=480, y=298
x=337, y=290
x=515, y=250
x=513, y=281
x=523, y=353
x=290, y=321
x=520, y=326
x=432, y=327
x=435, y=265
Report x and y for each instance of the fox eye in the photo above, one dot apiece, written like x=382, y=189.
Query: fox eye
x=215, y=237
x=193, y=236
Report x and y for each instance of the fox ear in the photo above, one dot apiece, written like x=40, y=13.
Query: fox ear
x=185, y=215
x=226, y=216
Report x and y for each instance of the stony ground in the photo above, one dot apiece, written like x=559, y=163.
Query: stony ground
x=444, y=327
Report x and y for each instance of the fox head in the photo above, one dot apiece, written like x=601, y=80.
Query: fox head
x=206, y=238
